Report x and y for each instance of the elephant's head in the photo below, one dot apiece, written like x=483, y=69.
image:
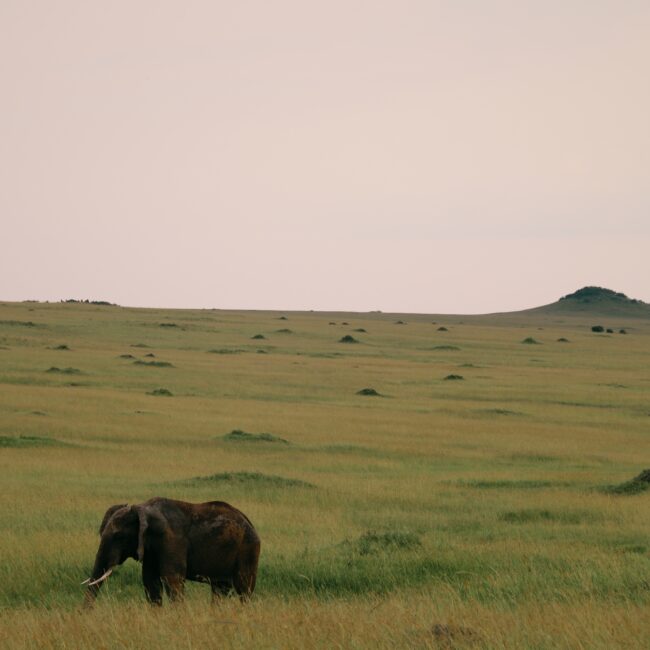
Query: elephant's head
x=123, y=533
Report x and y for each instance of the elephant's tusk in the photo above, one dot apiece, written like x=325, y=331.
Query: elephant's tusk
x=94, y=582
x=87, y=580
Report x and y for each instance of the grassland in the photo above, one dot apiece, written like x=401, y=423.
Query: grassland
x=467, y=513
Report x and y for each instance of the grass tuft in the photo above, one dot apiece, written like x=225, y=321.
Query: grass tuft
x=64, y=371
x=251, y=479
x=29, y=441
x=238, y=435
x=638, y=485
x=161, y=392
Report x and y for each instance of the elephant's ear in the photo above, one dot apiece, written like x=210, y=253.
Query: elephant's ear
x=152, y=522
x=109, y=513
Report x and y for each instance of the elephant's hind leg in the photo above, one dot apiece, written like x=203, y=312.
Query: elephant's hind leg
x=220, y=588
x=246, y=574
x=174, y=586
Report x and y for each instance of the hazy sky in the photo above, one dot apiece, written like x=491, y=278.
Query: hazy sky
x=431, y=156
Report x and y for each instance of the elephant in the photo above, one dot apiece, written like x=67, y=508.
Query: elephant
x=209, y=542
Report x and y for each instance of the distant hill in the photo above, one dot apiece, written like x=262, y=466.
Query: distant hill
x=596, y=301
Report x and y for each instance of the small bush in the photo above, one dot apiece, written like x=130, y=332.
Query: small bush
x=262, y=352
x=622, y=332
x=154, y=364
x=454, y=377
x=161, y=392
x=168, y=325
x=597, y=328
x=63, y=346
x=442, y=328
x=360, y=329
x=139, y=345
x=284, y=330
x=64, y=371
x=562, y=340
x=225, y=351
x=445, y=347
x=150, y=354
x=400, y=322
x=126, y=356
x=242, y=436
x=348, y=339
x=368, y=391
x=282, y=318
x=529, y=340
x=258, y=337
x=609, y=330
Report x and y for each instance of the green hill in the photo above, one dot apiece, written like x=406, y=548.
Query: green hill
x=596, y=301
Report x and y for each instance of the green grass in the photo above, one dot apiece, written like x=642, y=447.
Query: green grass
x=485, y=503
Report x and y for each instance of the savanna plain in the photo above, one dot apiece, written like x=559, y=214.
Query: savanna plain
x=477, y=511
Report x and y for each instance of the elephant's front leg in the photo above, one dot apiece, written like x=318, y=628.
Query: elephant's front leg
x=152, y=583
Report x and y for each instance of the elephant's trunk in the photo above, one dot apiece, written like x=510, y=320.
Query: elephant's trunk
x=102, y=569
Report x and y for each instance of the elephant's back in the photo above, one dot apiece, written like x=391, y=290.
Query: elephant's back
x=220, y=538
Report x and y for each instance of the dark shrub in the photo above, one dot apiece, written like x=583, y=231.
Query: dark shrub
x=610, y=331
x=637, y=485
x=348, y=339
x=622, y=332
x=454, y=377
x=162, y=392
x=243, y=436
x=530, y=341
x=258, y=336
x=368, y=391
x=597, y=328
x=442, y=328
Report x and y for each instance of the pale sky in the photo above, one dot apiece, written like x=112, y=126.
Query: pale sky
x=406, y=155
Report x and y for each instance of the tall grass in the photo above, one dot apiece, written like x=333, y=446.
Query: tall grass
x=476, y=513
